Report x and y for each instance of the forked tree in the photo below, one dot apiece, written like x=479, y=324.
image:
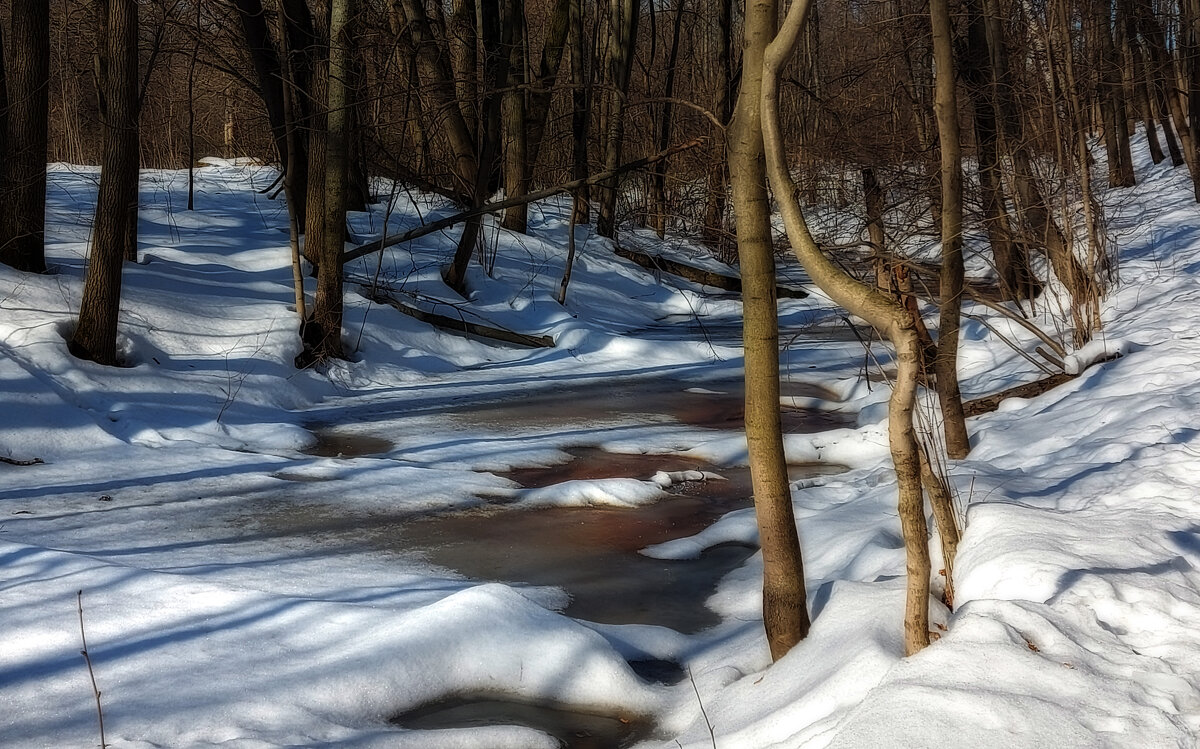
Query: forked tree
x=785, y=609
x=885, y=314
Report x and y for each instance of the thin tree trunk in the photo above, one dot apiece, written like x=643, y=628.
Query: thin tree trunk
x=714, y=233
x=1127, y=29
x=580, y=114
x=495, y=70
x=658, y=175
x=95, y=335
x=537, y=109
x=621, y=47
x=1011, y=261
x=882, y=313
x=945, y=106
x=516, y=151
x=23, y=195
x=1112, y=102
x=1168, y=77
x=785, y=612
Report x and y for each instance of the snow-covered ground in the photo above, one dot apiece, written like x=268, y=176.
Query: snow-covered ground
x=167, y=488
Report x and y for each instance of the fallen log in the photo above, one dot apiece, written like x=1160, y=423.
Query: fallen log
x=989, y=403
x=698, y=275
x=363, y=250
x=459, y=324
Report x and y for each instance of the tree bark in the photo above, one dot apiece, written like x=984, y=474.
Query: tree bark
x=881, y=312
x=516, y=151
x=1112, y=103
x=23, y=193
x=785, y=613
x=945, y=105
x=714, y=232
x=621, y=46
x=581, y=104
x=95, y=335
x=658, y=175
x=323, y=332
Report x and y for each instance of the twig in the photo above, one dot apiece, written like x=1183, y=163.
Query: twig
x=711, y=733
x=88, y=659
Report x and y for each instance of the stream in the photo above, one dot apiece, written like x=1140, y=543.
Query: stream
x=592, y=552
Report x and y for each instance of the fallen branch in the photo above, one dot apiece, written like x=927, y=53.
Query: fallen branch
x=698, y=275
x=989, y=403
x=445, y=223
x=15, y=462
x=459, y=324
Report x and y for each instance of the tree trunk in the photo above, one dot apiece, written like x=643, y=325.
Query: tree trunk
x=858, y=298
x=1010, y=259
x=1127, y=30
x=323, y=331
x=516, y=151
x=464, y=59
x=1168, y=77
x=495, y=71
x=1112, y=103
x=658, y=175
x=945, y=106
x=581, y=104
x=537, y=110
x=714, y=232
x=95, y=336
x=621, y=47
x=23, y=191
x=315, y=199
x=785, y=612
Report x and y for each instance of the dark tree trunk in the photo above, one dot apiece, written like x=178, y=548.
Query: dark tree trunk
x=658, y=175
x=512, y=40
x=495, y=71
x=621, y=46
x=1112, y=103
x=23, y=190
x=1010, y=258
x=581, y=105
x=323, y=332
x=538, y=104
x=95, y=336
x=1127, y=31
x=714, y=233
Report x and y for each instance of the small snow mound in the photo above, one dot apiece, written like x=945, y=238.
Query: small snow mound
x=584, y=493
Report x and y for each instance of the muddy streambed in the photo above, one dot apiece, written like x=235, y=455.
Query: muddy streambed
x=591, y=553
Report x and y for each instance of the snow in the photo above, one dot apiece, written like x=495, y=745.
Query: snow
x=235, y=591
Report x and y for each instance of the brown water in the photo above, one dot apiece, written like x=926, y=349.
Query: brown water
x=715, y=404
x=575, y=728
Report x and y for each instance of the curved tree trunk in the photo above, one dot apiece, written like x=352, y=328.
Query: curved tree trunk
x=881, y=312
x=785, y=612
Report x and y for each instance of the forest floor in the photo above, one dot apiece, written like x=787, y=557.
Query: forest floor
x=367, y=553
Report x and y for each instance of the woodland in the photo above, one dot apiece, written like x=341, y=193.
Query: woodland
x=322, y=321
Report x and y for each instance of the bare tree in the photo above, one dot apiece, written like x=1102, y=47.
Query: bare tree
x=95, y=335
x=23, y=172
x=785, y=612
